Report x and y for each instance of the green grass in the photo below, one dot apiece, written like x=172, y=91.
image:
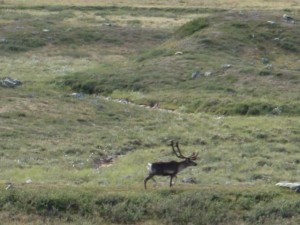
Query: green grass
x=243, y=44
x=242, y=120
x=241, y=206
x=192, y=27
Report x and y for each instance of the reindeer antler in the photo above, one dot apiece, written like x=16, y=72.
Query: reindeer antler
x=194, y=156
x=179, y=154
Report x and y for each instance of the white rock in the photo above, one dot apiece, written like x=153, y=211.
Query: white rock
x=28, y=181
x=208, y=73
x=226, y=66
x=178, y=53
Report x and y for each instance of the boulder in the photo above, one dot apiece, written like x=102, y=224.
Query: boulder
x=178, y=53
x=9, y=82
x=196, y=74
x=288, y=19
x=226, y=66
x=190, y=180
x=265, y=60
x=295, y=186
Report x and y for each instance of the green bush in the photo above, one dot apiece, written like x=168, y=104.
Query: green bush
x=167, y=206
x=191, y=27
x=151, y=54
x=277, y=210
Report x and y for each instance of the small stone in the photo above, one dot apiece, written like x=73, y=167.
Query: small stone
x=226, y=66
x=208, y=73
x=265, y=60
x=295, y=186
x=271, y=22
x=9, y=185
x=276, y=111
x=28, y=181
x=77, y=95
x=9, y=82
x=288, y=19
x=269, y=66
x=178, y=53
x=189, y=180
x=196, y=74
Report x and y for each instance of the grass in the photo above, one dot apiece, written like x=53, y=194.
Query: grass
x=225, y=42
x=243, y=120
x=274, y=4
x=192, y=27
x=134, y=207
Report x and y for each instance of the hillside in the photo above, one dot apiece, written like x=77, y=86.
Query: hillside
x=246, y=63
x=103, y=89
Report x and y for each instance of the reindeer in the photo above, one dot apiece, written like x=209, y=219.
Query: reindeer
x=170, y=168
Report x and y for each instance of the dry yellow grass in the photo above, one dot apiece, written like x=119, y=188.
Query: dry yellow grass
x=224, y=4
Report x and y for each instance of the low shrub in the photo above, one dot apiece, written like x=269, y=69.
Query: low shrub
x=191, y=27
x=169, y=206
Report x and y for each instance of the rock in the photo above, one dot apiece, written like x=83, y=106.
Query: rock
x=46, y=30
x=288, y=19
x=226, y=66
x=123, y=101
x=269, y=67
x=178, y=53
x=271, y=22
x=196, y=74
x=189, y=180
x=276, y=111
x=2, y=40
x=102, y=162
x=77, y=95
x=208, y=73
x=108, y=159
x=265, y=60
x=9, y=185
x=28, y=181
x=295, y=186
x=9, y=82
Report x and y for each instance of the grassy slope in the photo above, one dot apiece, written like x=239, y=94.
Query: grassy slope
x=57, y=140
x=242, y=40
x=223, y=4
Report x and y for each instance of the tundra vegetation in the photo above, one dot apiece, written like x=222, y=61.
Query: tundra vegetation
x=72, y=153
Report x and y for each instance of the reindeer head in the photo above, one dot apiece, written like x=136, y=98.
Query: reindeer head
x=190, y=162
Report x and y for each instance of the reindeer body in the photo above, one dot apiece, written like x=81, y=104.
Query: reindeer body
x=170, y=168
x=167, y=168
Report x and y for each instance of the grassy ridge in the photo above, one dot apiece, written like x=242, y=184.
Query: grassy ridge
x=220, y=206
x=232, y=149
x=250, y=86
x=223, y=4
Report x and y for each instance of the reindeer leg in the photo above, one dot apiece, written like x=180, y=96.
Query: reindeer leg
x=175, y=179
x=171, y=178
x=146, y=180
x=150, y=176
x=154, y=181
